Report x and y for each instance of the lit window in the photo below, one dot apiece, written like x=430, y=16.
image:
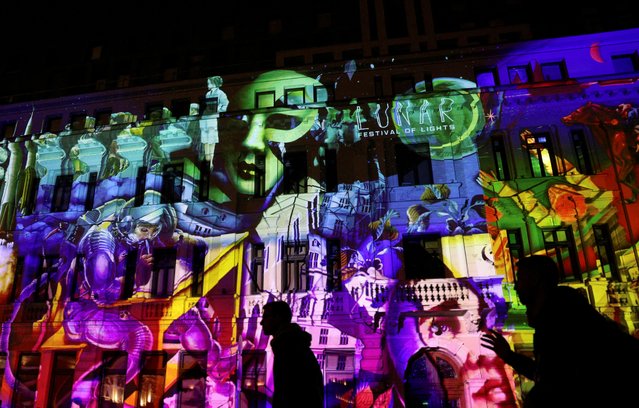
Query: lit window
x=541, y=155
x=114, y=365
x=254, y=377
x=192, y=382
x=27, y=375
x=152, y=379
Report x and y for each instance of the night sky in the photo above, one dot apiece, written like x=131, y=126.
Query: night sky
x=40, y=35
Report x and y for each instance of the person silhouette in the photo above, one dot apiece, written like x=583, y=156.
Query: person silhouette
x=581, y=357
x=298, y=379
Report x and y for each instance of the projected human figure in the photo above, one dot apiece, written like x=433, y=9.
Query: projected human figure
x=216, y=103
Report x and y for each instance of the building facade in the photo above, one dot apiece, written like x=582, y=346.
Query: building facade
x=385, y=199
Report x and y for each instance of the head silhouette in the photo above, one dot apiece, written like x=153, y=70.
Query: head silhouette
x=275, y=316
x=537, y=275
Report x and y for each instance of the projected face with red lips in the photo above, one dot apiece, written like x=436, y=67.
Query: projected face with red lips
x=248, y=139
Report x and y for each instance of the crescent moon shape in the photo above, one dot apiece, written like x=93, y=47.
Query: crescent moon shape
x=595, y=53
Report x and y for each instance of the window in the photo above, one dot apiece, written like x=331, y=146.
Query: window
x=333, y=265
x=339, y=371
x=53, y=124
x=554, y=71
x=323, y=57
x=163, y=271
x=313, y=258
x=428, y=82
x=625, y=63
x=16, y=288
x=515, y=247
x=197, y=284
x=606, y=258
x=320, y=93
x=413, y=164
x=265, y=99
x=257, y=267
x=500, y=156
x=294, y=274
x=343, y=339
x=423, y=257
x=192, y=379
x=27, y=376
x=103, y=117
x=91, y=186
x=341, y=363
x=486, y=77
x=519, y=74
x=203, y=184
x=402, y=84
x=140, y=186
x=180, y=107
x=8, y=130
x=152, y=380
x=153, y=111
x=3, y=365
x=78, y=121
x=330, y=171
x=295, y=96
x=123, y=81
x=62, y=193
x=560, y=245
x=129, y=273
x=372, y=161
x=582, y=152
x=378, y=84
x=338, y=227
x=260, y=173
x=254, y=378
x=48, y=267
x=172, y=183
x=540, y=153
x=170, y=74
x=77, y=280
x=323, y=339
x=114, y=364
x=294, y=173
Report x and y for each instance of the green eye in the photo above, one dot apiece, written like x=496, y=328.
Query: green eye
x=282, y=121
